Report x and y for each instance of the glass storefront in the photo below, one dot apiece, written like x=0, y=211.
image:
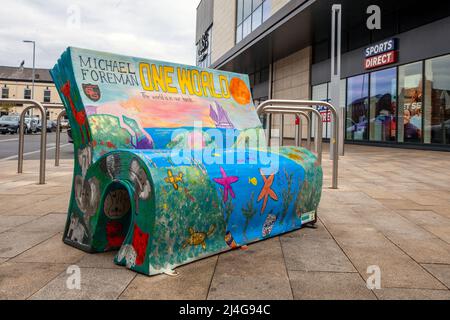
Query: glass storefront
x=437, y=100
x=405, y=104
x=383, y=105
x=322, y=93
x=410, y=100
x=357, y=107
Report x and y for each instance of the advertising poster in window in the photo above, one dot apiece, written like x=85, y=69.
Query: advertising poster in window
x=410, y=103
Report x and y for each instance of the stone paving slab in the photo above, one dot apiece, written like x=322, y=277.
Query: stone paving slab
x=382, y=215
x=258, y=272
x=21, y=280
x=99, y=260
x=51, y=222
x=365, y=247
x=13, y=243
x=51, y=251
x=440, y=271
x=314, y=250
x=412, y=294
x=442, y=233
x=9, y=222
x=329, y=286
x=191, y=284
x=96, y=284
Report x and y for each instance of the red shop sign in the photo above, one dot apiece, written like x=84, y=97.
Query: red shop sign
x=381, y=60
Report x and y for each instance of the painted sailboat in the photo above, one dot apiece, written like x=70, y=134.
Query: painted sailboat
x=220, y=117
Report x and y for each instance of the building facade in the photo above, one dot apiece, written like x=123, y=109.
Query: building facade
x=395, y=81
x=16, y=83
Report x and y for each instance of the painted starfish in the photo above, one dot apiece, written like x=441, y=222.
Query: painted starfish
x=226, y=182
x=266, y=191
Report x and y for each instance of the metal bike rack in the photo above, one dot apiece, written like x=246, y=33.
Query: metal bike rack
x=58, y=137
x=299, y=131
x=58, y=129
x=319, y=128
x=293, y=107
x=43, y=148
x=38, y=105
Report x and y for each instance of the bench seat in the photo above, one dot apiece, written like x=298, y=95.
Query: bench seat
x=148, y=184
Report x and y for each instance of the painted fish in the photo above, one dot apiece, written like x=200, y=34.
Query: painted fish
x=253, y=181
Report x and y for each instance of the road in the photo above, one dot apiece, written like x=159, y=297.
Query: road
x=9, y=145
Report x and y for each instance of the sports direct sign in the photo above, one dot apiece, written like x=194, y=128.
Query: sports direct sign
x=381, y=54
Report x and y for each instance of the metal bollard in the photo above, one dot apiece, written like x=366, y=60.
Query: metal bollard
x=58, y=137
x=43, y=150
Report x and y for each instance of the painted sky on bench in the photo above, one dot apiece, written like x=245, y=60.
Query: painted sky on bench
x=162, y=94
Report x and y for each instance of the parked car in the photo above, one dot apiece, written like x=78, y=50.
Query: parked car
x=9, y=124
x=64, y=124
x=31, y=125
x=51, y=126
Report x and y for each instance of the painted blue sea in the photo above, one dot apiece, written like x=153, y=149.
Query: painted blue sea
x=163, y=136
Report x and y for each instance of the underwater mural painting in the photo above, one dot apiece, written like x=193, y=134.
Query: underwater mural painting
x=171, y=163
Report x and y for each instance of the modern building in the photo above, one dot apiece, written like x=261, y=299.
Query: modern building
x=395, y=81
x=16, y=83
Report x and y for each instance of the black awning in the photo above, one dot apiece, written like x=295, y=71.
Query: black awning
x=303, y=23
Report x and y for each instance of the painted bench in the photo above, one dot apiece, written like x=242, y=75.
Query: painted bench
x=171, y=163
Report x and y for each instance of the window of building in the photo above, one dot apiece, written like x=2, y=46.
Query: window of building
x=204, y=46
x=383, y=105
x=27, y=93
x=5, y=92
x=47, y=95
x=437, y=101
x=410, y=101
x=321, y=92
x=250, y=14
x=357, y=107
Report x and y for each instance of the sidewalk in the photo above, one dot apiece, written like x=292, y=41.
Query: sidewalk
x=392, y=210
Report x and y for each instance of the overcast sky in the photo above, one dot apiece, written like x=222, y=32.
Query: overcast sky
x=158, y=29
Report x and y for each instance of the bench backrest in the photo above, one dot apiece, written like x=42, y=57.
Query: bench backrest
x=116, y=101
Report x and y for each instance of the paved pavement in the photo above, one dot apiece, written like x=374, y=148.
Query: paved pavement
x=9, y=145
x=392, y=211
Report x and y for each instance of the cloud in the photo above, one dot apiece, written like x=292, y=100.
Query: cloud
x=157, y=29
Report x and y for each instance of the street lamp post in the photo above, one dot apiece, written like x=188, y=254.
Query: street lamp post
x=34, y=70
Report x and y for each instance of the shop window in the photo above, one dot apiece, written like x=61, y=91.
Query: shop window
x=383, y=106
x=5, y=92
x=321, y=92
x=357, y=108
x=250, y=14
x=259, y=83
x=410, y=102
x=437, y=101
